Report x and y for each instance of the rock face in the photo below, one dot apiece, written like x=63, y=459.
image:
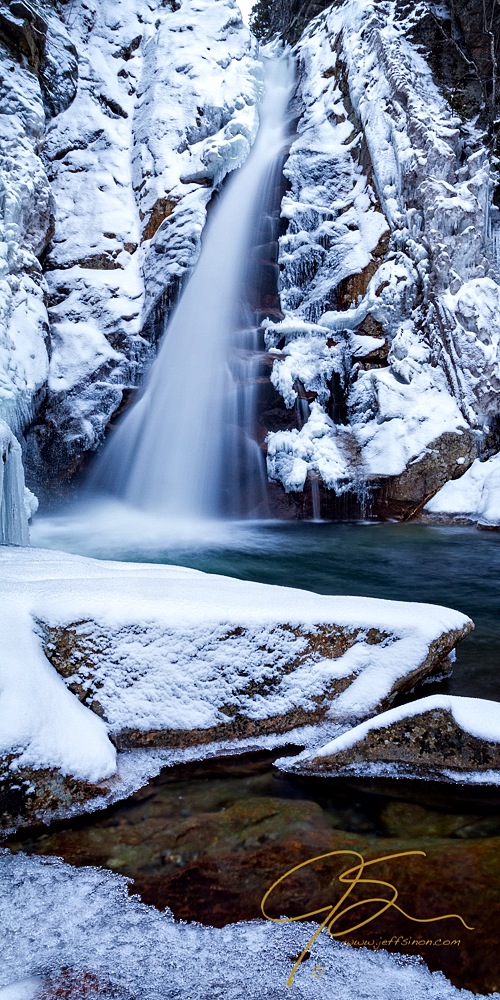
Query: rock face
x=456, y=36
x=165, y=108
x=162, y=657
x=127, y=121
x=388, y=274
x=26, y=219
x=444, y=738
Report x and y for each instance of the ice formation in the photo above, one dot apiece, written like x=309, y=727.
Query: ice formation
x=17, y=503
x=94, y=931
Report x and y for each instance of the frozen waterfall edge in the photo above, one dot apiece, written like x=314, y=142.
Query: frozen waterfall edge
x=17, y=503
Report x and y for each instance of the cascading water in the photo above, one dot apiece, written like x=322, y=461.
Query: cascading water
x=186, y=449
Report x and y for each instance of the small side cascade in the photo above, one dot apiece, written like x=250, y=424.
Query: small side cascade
x=190, y=448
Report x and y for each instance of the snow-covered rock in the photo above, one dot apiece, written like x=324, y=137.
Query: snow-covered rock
x=388, y=242
x=441, y=737
x=474, y=497
x=171, y=657
x=26, y=218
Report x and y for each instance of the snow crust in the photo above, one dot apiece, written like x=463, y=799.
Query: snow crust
x=93, y=926
x=417, y=225
x=475, y=496
x=170, y=647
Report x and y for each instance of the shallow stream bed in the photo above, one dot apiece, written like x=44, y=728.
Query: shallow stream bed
x=208, y=840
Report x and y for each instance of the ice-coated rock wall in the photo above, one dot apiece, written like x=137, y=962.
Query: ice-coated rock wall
x=391, y=315
x=118, y=122
x=27, y=79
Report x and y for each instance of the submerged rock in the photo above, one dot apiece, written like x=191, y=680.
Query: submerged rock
x=440, y=737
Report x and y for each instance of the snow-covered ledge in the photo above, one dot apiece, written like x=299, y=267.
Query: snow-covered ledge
x=99, y=655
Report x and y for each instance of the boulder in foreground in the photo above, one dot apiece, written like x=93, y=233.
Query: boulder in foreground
x=100, y=655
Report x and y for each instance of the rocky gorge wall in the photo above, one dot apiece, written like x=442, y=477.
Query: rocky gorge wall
x=388, y=275
x=117, y=123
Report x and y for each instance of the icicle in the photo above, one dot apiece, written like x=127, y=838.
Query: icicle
x=13, y=500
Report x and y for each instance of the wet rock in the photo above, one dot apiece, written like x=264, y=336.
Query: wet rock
x=161, y=210
x=399, y=817
x=29, y=796
x=403, y=497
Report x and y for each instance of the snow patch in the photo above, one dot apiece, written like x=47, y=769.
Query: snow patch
x=476, y=716
x=475, y=496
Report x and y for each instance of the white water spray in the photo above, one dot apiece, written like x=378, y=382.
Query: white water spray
x=177, y=450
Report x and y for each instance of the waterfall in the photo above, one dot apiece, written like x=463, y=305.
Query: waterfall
x=187, y=447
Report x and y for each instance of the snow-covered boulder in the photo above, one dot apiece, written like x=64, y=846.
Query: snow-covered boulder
x=441, y=737
x=475, y=497
x=141, y=656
